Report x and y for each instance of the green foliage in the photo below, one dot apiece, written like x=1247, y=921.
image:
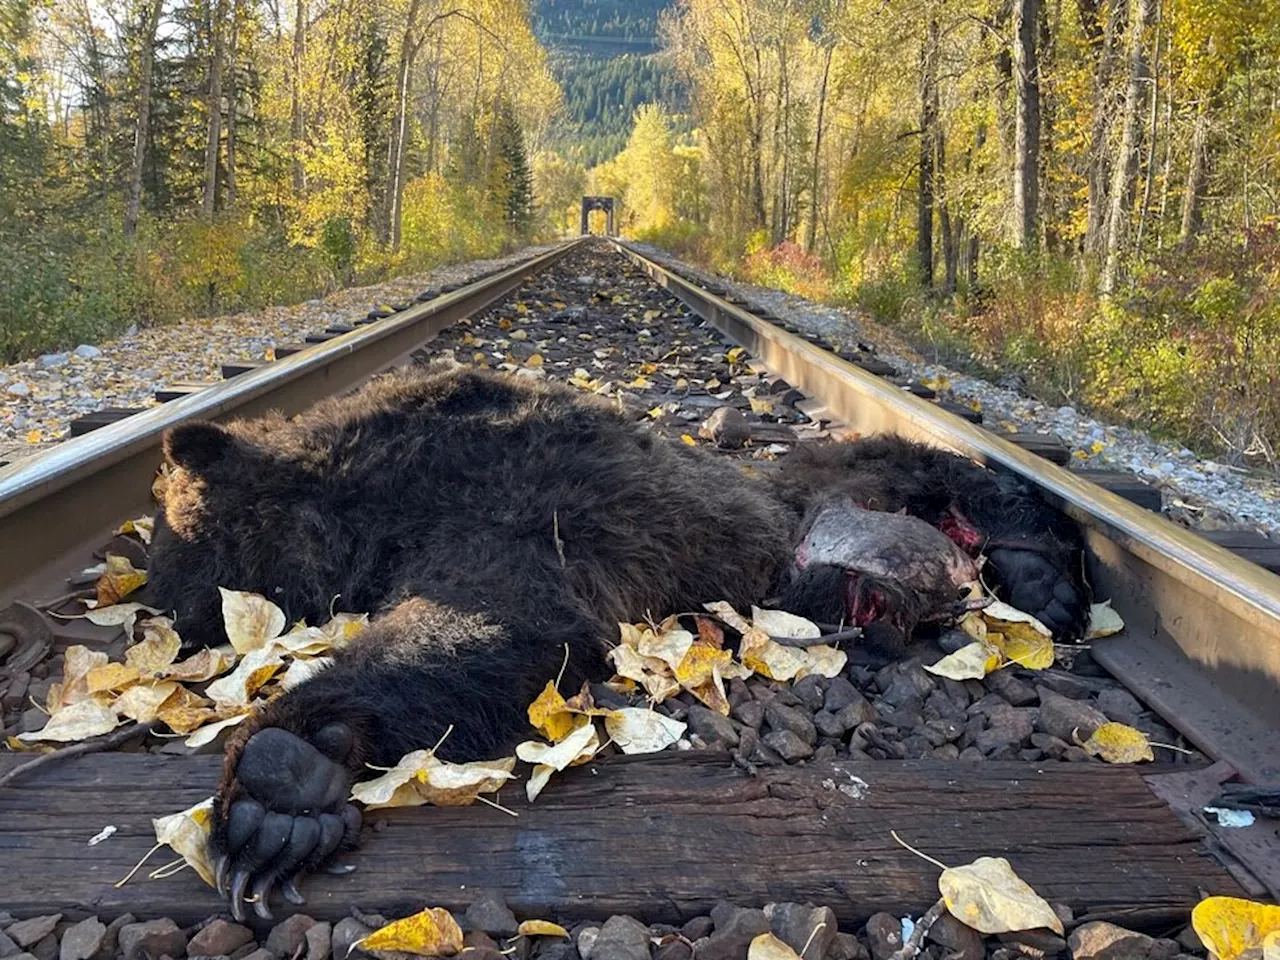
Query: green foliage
x=338, y=241
x=513, y=189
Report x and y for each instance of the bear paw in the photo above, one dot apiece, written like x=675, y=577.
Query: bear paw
x=282, y=813
x=1055, y=595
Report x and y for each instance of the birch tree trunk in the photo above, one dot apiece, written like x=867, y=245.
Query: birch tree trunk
x=1026, y=134
x=146, y=64
x=1126, y=163
x=297, y=124
x=928, y=145
x=213, y=143
x=1197, y=178
x=1098, y=168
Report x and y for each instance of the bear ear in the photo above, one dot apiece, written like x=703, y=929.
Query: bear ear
x=197, y=446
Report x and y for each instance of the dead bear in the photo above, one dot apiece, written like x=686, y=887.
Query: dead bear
x=491, y=524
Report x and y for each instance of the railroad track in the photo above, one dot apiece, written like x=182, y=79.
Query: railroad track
x=1201, y=649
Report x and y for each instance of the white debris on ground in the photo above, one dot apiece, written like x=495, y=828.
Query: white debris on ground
x=1200, y=492
x=40, y=397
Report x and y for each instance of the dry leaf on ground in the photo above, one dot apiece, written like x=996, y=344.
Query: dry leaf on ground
x=208, y=733
x=637, y=730
x=1232, y=928
x=541, y=928
x=82, y=720
x=420, y=777
x=1021, y=643
x=1119, y=743
x=238, y=687
x=187, y=833
x=1103, y=621
x=768, y=947
x=988, y=896
x=119, y=579
x=579, y=747
x=779, y=623
x=431, y=933
x=251, y=621
x=971, y=662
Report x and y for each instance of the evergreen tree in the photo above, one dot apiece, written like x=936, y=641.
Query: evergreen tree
x=515, y=182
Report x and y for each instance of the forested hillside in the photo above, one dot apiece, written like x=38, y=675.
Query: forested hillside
x=602, y=54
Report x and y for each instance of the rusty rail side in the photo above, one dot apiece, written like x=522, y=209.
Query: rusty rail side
x=1202, y=638
x=52, y=504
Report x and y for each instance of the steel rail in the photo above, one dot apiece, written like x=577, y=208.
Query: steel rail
x=79, y=491
x=1202, y=638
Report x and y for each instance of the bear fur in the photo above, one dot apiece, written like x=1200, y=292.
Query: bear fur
x=498, y=530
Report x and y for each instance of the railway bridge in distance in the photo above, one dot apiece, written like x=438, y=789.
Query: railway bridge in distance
x=605, y=205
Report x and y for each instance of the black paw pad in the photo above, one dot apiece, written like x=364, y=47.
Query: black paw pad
x=290, y=815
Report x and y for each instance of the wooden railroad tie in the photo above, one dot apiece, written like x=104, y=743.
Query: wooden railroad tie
x=661, y=837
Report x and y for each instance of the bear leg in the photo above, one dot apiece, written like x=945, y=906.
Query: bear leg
x=422, y=675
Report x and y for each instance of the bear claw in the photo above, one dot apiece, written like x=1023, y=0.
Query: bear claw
x=289, y=815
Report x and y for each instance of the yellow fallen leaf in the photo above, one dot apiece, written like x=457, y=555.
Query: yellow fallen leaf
x=779, y=623
x=209, y=732
x=420, y=777
x=699, y=663
x=158, y=649
x=187, y=832
x=118, y=580
x=971, y=662
x=687, y=440
x=669, y=646
x=735, y=354
x=541, y=928
x=769, y=658
x=579, y=747
x=17, y=746
x=1231, y=928
x=549, y=715
x=122, y=615
x=345, y=627
x=988, y=896
x=201, y=666
x=253, y=670
x=999, y=610
x=77, y=663
x=1021, y=643
x=649, y=673
x=1119, y=743
x=1103, y=621
x=112, y=676
x=637, y=730
x=825, y=661
x=535, y=360
x=768, y=947
x=973, y=624
x=79, y=721
x=142, y=701
x=251, y=621
x=431, y=933
x=303, y=642
x=142, y=527
x=185, y=711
